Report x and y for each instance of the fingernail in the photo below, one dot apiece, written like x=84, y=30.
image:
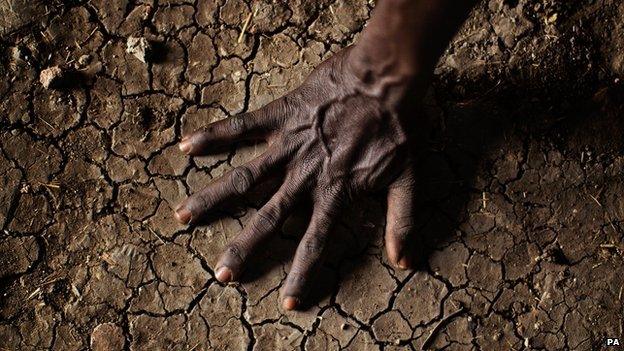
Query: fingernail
x=404, y=262
x=224, y=275
x=290, y=303
x=185, y=146
x=183, y=215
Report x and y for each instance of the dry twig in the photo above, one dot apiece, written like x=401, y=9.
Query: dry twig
x=245, y=25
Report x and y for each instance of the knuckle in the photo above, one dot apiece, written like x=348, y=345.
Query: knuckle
x=199, y=203
x=202, y=201
x=265, y=222
x=210, y=131
x=234, y=252
x=314, y=246
x=241, y=179
x=404, y=223
x=290, y=103
x=237, y=124
x=289, y=196
x=402, y=229
x=296, y=280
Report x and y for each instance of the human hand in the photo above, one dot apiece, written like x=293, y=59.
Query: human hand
x=342, y=133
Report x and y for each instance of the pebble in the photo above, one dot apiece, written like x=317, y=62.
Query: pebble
x=84, y=60
x=51, y=77
x=139, y=48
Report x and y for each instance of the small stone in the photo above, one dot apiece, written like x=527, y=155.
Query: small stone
x=139, y=48
x=51, y=77
x=17, y=54
x=84, y=60
x=552, y=19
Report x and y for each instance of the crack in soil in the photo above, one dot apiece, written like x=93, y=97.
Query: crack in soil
x=521, y=182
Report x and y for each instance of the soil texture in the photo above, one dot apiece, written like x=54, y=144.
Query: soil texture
x=521, y=214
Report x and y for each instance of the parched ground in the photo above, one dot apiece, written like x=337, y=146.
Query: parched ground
x=521, y=218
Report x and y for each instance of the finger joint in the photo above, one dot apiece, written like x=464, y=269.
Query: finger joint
x=237, y=124
x=235, y=253
x=314, y=246
x=265, y=222
x=242, y=179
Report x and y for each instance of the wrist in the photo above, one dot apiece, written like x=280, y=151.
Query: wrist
x=389, y=40
x=389, y=83
x=408, y=36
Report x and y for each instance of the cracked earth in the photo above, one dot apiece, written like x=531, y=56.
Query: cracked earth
x=521, y=215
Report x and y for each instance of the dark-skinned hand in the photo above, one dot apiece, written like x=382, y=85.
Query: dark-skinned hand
x=337, y=136
x=349, y=129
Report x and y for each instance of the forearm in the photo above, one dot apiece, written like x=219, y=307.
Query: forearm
x=408, y=36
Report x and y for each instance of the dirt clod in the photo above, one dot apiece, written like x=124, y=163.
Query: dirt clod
x=52, y=77
x=107, y=337
x=84, y=60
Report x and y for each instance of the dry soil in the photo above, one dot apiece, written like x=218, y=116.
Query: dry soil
x=521, y=220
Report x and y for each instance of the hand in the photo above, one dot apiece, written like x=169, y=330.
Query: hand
x=342, y=133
